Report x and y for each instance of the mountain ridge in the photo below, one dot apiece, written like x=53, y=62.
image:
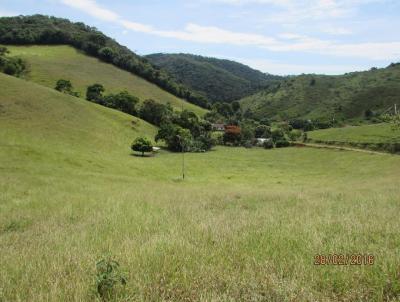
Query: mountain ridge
x=216, y=79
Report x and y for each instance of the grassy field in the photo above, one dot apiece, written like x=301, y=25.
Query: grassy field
x=245, y=225
x=376, y=137
x=51, y=63
x=376, y=133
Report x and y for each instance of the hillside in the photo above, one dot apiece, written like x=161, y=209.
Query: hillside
x=375, y=137
x=59, y=129
x=44, y=30
x=47, y=64
x=216, y=79
x=326, y=97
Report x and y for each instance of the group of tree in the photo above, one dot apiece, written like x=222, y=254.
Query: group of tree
x=249, y=133
x=39, y=29
x=11, y=65
x=243, y=129
x=122, y=101
x=185, y=131
x=180, y=130
x=227, y=113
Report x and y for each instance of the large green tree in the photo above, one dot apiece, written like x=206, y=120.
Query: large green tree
x=142, y=145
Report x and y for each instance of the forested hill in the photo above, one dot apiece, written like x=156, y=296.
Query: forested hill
x=216, y=79
x=349, y=96
x=39, y=29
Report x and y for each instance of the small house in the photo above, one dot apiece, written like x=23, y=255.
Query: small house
x=218, y=127
x=261, y=141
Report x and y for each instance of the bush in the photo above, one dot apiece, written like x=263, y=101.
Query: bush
x=282, y=143
x=204, y=142
x=65, y=86
x=94, y=93
x=262, y=131
x=108, y=277
x=268, y=144
x=294, y=135
x=248, y=144
x=277, y=134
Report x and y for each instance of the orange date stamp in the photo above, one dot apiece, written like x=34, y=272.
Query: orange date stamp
x=344, y=259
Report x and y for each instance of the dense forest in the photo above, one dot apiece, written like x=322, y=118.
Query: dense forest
x=217, y=80
x=39, y=29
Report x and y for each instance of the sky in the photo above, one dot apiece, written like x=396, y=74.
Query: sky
x=281, y=37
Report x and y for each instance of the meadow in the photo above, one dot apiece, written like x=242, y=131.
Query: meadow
x=245, y=224
x=376, y=137
x=375, y=133
x=46, y=67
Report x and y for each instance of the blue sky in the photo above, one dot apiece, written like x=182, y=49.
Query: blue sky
x=275, y=36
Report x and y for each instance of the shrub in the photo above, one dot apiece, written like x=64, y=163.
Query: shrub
x=232, y=135
x=268, y=144
x=277, y=134
x=248, y=144
x=94, y=93
x=294, y=135
x=65, y=86
x=262, y=131
x=108, y=277
x=142, y=144
x=281, y=143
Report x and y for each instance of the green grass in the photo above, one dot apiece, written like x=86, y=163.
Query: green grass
x=51, y=63
x=377, y=133
x=380, y=137
x=245, y=225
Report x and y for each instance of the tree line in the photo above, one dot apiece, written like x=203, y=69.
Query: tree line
x=39, y=29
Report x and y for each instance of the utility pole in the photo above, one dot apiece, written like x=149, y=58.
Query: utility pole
x=183, y=153
x=183, y=156
x=183, y=162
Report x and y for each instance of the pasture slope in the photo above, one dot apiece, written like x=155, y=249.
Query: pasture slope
x=245, y=225
x=378, y=137
x=47, y=64
x=343, y=97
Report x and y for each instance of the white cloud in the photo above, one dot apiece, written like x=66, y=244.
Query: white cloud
x=295, y=11
x=287, y=42
x=93, y=9
x=334, y=30
x=136, y=26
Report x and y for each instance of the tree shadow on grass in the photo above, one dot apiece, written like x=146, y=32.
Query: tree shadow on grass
x=146, y=155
